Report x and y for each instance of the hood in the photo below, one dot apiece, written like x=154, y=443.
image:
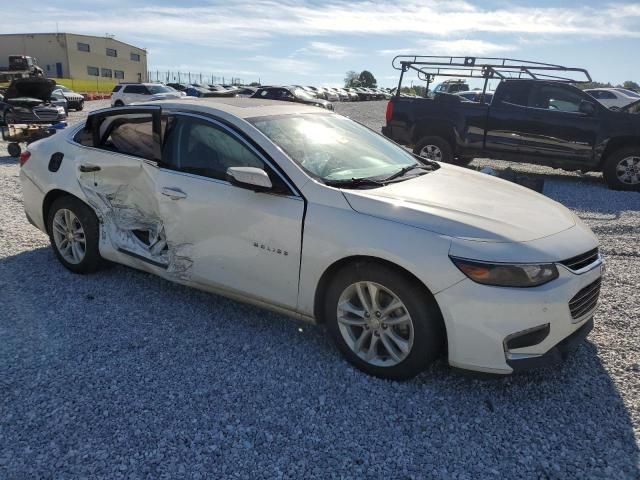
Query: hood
x=33, y=87
x=464, y=204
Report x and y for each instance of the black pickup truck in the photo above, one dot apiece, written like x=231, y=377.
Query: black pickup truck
x=530, y=121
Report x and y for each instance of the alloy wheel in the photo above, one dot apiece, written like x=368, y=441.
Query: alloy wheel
x=431, y=152
x=69, y=236
x=375, y=324
x=628, y=170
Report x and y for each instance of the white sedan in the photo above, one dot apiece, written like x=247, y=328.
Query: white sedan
x=311, y=214
x=614, y=97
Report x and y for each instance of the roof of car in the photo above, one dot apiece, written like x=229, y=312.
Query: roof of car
x=240, y=107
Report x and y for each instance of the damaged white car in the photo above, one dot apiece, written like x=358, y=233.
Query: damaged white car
x=313, y=215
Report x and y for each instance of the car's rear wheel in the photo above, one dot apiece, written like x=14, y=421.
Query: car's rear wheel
x=74, y=234
x=622, y=169
x=384, y=322
x=118, y=103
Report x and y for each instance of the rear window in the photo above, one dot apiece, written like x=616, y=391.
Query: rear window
x=117, y=88
x=516, y=93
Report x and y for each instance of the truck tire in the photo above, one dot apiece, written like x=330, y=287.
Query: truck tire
x=621, y=169
x=434, y=148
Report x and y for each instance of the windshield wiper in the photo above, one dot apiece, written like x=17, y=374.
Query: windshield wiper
x=354, y=182
x=406, y=169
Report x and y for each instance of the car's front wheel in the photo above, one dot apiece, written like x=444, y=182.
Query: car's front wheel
x=80, y=106
x=383, y=321
x=74, y=234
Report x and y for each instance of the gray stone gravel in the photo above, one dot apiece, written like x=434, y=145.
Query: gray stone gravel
x=123, y=375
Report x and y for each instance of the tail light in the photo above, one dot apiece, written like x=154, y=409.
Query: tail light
x=389, y=113
x=24, y=156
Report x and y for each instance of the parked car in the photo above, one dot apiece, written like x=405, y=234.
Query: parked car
x=451, y=86
x=336, y=95
x=29, y=100
x=291, y=94
x=351, y=96
x=246, y=91
x=126, y=93
x=317, y=91
x=180, y=87
x=614, y=97
x=549, y=123
x=75, y=101
x=283, y=206
x=59, y=100
x=476, y=96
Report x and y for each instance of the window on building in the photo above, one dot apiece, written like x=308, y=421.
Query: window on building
x=135, y=57
x=118, y=74
x=112, y=52
x=106, y=72
x=93, y=71
x=84, y=47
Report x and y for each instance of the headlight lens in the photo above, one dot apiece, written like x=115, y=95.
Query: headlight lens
x=505, y=275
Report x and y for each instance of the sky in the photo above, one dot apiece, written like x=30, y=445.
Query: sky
x=315, y=42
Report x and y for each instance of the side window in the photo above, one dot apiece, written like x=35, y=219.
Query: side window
x=202, y=148
x=607, y=95
x=516, y=93
x=556, y=98
x=595, y=94
x=266, y=94
x=128, y=134
x=136, y=89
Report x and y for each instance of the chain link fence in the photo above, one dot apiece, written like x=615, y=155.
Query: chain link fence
x=195, y=77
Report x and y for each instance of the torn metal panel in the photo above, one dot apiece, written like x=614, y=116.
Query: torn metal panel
x=130, y=221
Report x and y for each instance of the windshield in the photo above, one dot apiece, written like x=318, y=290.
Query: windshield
x=333, y=147
x=155, y=89
x=628, y=93
x=63, y=88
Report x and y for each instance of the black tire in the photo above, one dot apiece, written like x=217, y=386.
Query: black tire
x=438, y=142
x=80, y=106
x=14, y=149
x=92, y=260
x=118, y=103
x=611, y=178
x=428, y=336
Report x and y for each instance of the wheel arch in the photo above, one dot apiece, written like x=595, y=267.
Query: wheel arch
x=51, y=197
x=329, y=273
x=444, y=131
x=616, y=144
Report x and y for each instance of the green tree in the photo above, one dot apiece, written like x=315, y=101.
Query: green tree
x=351, y=79
x=367, y=79
x=631, y=85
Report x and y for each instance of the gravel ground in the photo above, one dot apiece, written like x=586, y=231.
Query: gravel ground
x=123, y=375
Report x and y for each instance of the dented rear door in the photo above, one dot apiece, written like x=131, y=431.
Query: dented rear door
x=117, y=173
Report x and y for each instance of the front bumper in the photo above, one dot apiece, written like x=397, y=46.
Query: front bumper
x=481, y=319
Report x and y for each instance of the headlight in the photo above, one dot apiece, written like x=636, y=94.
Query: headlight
x=60, y=109
x=505, y=275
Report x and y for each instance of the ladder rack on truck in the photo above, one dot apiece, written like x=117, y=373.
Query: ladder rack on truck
x=427, y=67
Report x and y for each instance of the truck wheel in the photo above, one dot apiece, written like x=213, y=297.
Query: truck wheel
x=622, y=169
x=14, y=149
x=434, y=148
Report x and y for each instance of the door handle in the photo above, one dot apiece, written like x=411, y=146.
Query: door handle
x=89, y=168
x=173, y=193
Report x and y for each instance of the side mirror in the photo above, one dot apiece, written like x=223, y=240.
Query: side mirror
x=250, y=178
x=587, y=108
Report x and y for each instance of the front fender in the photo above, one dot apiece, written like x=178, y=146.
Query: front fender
x=424, y=254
